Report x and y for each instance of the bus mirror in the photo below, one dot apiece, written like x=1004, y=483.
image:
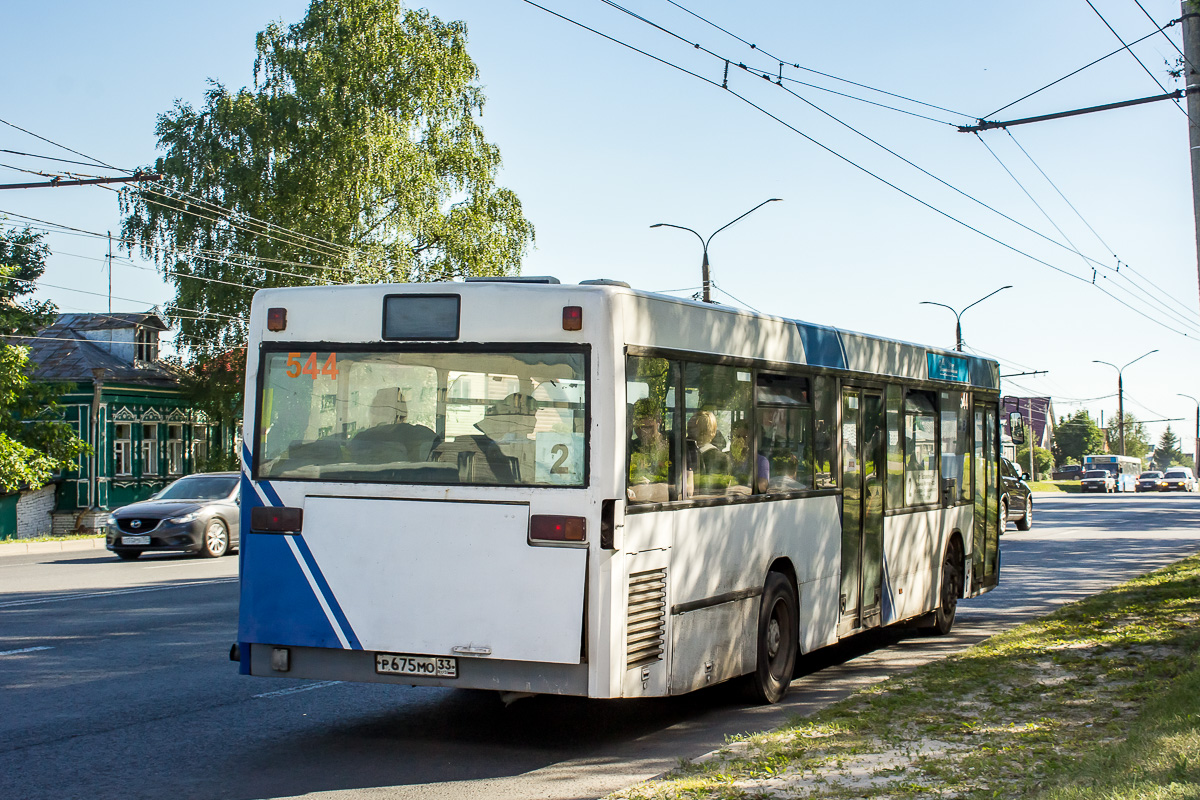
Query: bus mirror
x=1016, y=427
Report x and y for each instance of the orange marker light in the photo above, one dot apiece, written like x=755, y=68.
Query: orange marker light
x=572, y=318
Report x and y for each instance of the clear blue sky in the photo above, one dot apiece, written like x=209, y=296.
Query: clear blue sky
x=600, y=141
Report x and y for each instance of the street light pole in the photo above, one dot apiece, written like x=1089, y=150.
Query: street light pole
x=1196, y=446
x=1121, y=394
x=958, y=342
x=704, y=243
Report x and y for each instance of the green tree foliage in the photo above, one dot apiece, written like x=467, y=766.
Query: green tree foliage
x=34, y=441
x=1043, y=459
x=1075, y=437
x=1137, y=441
x=356, y=157
x=1167, y=453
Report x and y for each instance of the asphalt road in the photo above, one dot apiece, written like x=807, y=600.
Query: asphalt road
x=115, y=682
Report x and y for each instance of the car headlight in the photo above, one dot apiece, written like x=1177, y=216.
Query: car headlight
x=184, y=519
x=111, y=520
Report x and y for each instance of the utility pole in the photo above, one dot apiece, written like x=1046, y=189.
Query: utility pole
x=110, y=276
x=1191, y=82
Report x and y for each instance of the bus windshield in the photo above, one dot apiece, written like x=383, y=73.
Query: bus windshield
x=513, y=418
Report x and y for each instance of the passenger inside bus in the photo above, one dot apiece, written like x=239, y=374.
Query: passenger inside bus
x=739, y=449
x=702, y=428
x=651, y=456
x=389, y=438
x=504, y=451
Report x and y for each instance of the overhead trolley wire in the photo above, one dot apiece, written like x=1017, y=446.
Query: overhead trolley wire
x=1152, y=300
x=863, y=169
x=1164, y=294
x=1161, y=29
x=787, y=62
x=94, y=161
x=1154, y=78
x=1081, y=69
x=216, y=258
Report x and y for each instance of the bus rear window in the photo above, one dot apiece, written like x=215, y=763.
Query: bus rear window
x=512, y=419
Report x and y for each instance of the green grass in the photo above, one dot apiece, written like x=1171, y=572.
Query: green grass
x=1054, y=486
x=51, y=538
x=1097, y=701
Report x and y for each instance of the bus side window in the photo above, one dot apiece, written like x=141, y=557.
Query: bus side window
x=652, y=468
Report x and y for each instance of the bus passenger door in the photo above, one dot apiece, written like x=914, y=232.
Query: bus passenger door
x=985, y=558
x=863, y=463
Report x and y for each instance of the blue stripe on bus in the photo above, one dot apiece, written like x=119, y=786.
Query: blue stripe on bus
x=278, y=602
x=822, y=346
x=323, y=586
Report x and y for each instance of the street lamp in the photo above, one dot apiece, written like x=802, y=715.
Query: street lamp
x=1196, y=446
x=704, y=242
x=1121, y=394
x=958, y=315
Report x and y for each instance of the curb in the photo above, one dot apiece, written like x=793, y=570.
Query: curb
x=27, y=548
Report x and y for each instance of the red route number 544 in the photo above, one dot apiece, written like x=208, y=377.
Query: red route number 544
x=309, y=367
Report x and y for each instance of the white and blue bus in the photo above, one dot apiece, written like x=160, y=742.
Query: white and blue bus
x=1123, y=469
x=596, y=491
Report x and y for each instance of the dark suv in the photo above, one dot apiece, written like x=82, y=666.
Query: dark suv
x=1016, y=498
x=1067, y=472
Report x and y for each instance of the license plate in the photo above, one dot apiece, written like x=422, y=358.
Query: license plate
x=419, y=666
x=128, y=540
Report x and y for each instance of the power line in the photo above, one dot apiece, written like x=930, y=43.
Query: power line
x=788, y=62
x=1157, y=82
x=1076, y=72
x=947, y=215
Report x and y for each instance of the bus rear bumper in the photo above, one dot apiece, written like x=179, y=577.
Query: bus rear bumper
x=328, y=664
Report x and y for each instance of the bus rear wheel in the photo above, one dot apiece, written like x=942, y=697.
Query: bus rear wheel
x=778, y=632
x=952, y=581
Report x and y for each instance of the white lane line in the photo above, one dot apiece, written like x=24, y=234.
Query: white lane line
x=111, y=593
x=293, y=690
x=25, y=650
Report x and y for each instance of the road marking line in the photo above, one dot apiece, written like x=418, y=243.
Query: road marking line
x=294, y=689
x=112, y=593
x=25, y=650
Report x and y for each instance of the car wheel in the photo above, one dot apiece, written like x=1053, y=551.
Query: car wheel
x=1026, y=520
x=216, y=539
x=778, y=631
x=1004, y=515
x=952, y=578
x=127, y=555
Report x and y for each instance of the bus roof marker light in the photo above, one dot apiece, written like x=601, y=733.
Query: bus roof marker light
x=276, y=319
x=572, y=318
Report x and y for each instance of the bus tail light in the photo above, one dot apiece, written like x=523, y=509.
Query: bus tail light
x=272, y=519
x=555, y=528
x=572, y=318
x=276, y=319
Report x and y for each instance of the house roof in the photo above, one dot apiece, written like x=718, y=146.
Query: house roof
x=60, y=353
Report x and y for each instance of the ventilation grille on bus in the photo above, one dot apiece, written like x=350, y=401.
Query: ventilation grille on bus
x=647, y=617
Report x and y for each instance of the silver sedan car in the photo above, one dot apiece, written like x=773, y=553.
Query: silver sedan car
x=1178, y=479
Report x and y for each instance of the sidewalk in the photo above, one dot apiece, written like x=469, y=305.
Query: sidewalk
x=18, y=548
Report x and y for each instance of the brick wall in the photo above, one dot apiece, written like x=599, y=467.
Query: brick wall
x=33, y=512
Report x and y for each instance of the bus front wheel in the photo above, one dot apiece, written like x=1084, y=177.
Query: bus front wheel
x=778, y=632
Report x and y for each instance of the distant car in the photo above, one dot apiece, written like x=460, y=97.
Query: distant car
x=1098, y=480
x=1067, y=472
x=1178, y=479
x=1016, y=499
x=195, y=514
x=1151, y=481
